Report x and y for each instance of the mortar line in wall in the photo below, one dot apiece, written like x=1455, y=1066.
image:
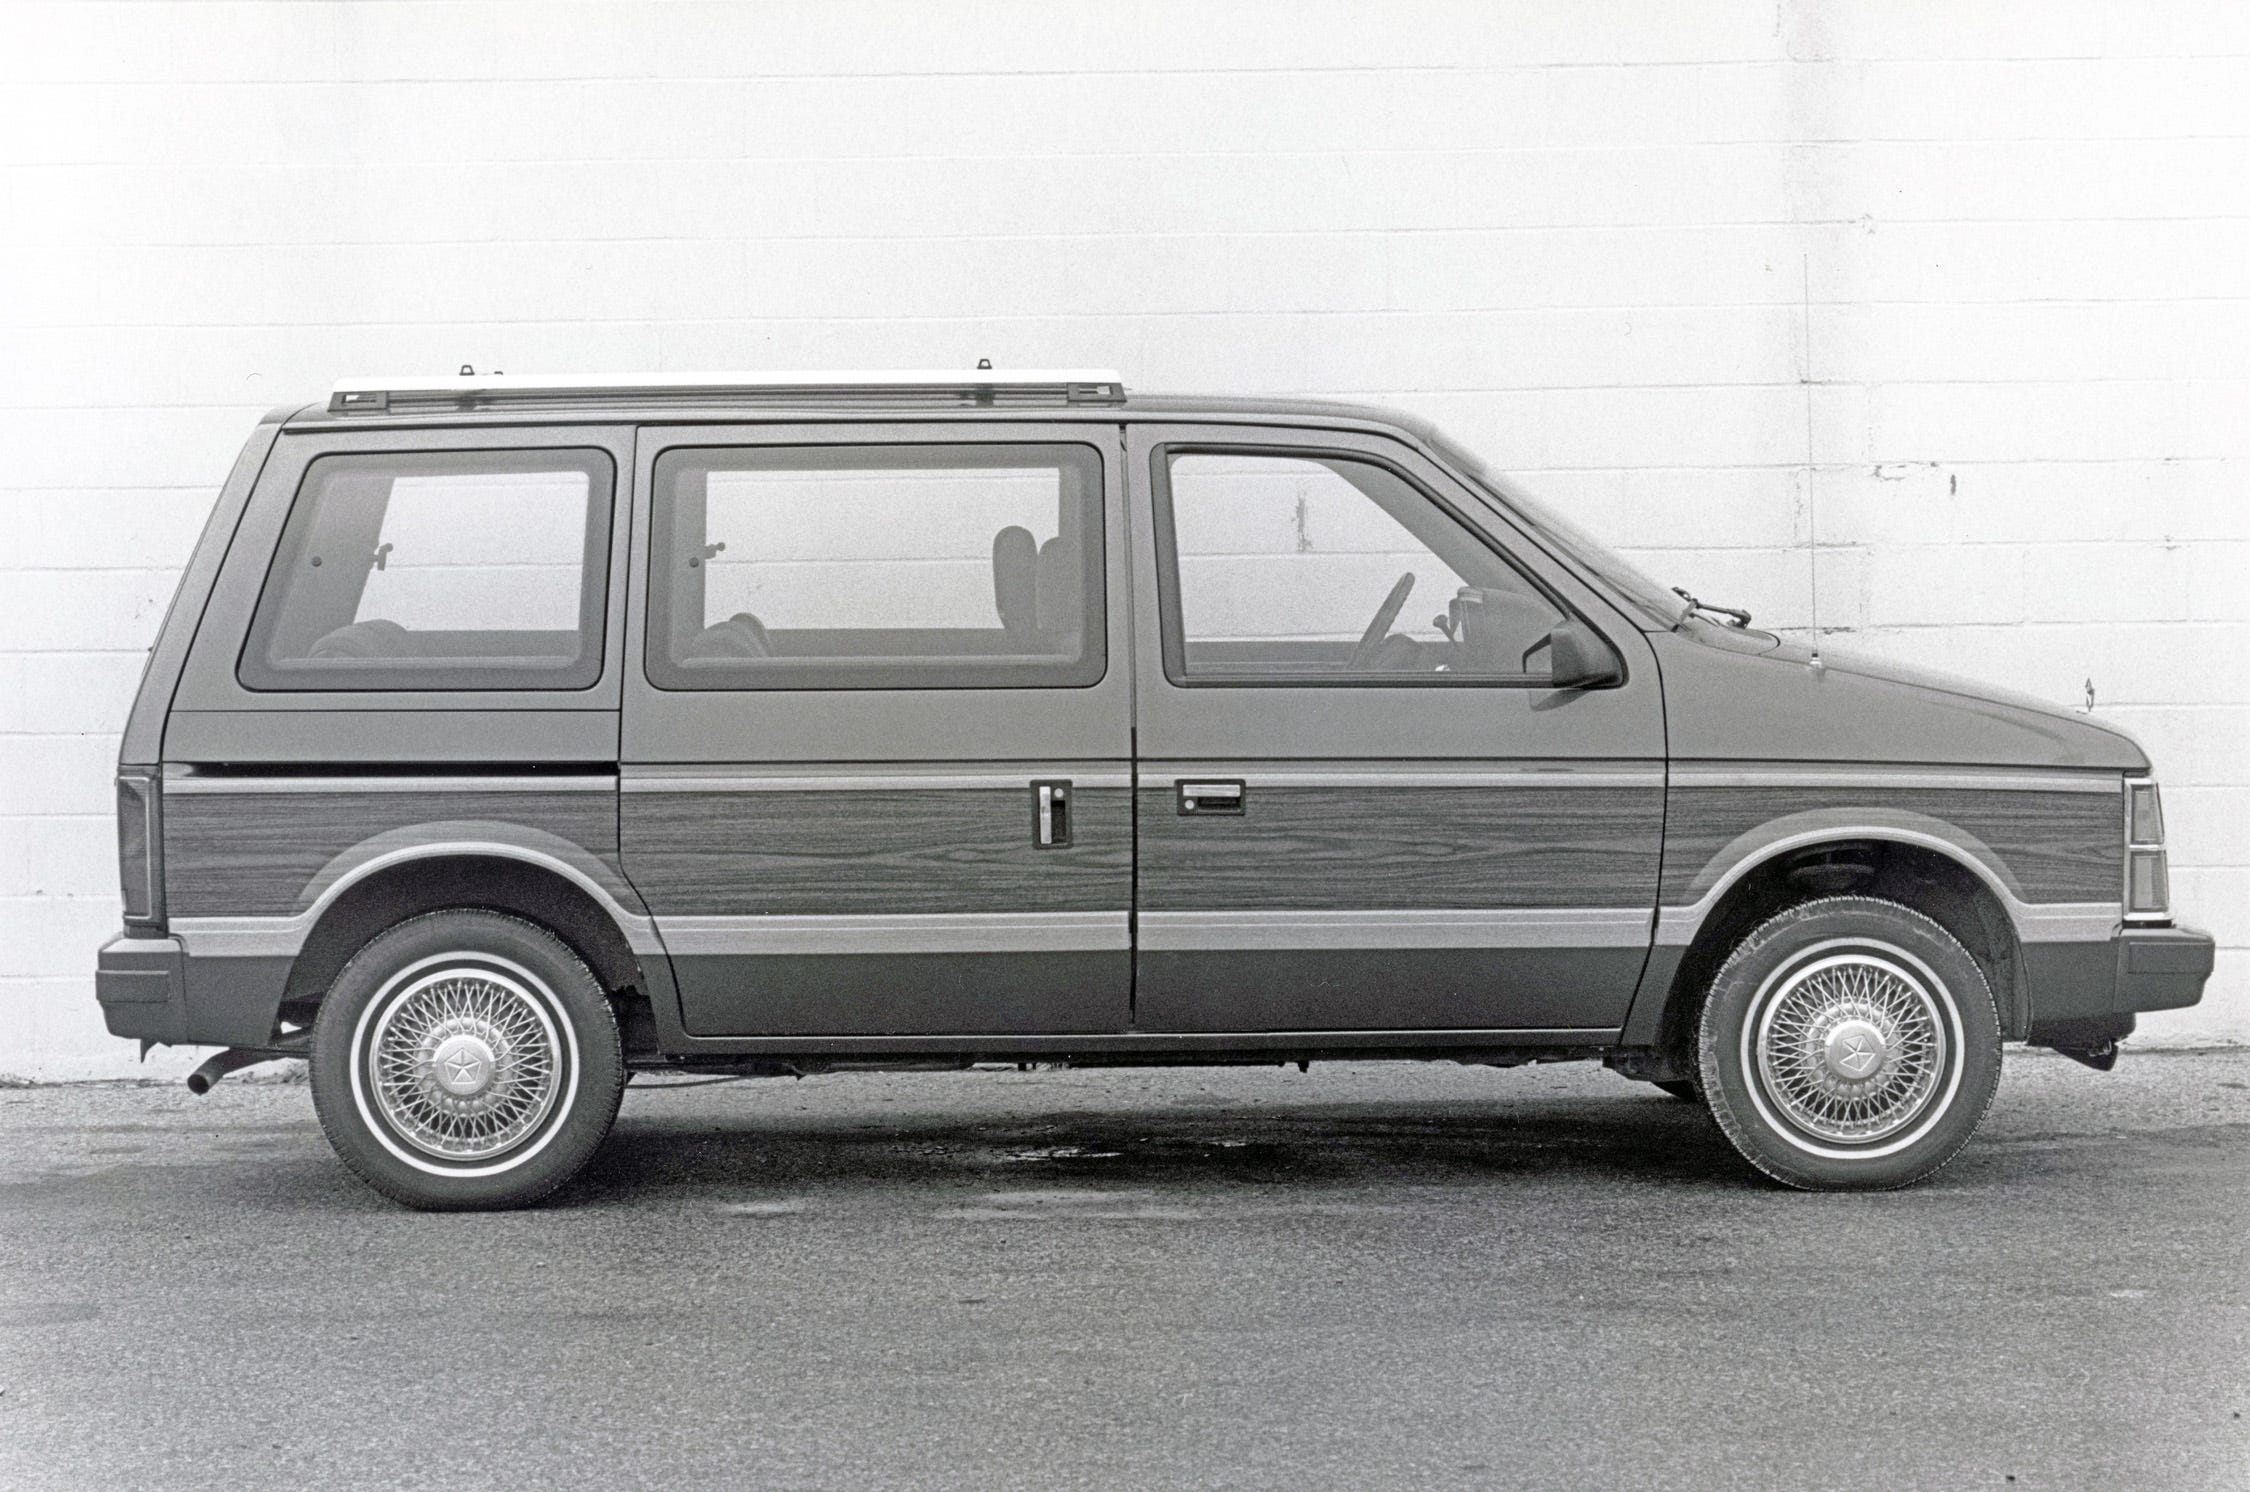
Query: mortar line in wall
x=1457, y=230
x=1169, y=69
x=331, y=163
x=972, y=319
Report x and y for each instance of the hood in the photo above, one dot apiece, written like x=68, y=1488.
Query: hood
x=1748, y=696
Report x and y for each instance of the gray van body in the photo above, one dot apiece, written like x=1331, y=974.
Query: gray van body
x=778, y=876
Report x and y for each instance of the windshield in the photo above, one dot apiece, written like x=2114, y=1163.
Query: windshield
x=1583, y=548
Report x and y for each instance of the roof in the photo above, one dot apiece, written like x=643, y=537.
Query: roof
x=1048, y=393
x=984, y=385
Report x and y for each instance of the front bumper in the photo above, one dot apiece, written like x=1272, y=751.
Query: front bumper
x=2161, y=968
x=2097, y=987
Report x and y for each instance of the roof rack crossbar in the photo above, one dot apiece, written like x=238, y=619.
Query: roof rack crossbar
x=927, y=388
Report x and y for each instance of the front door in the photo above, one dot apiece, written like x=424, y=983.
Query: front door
x=1361, y=804
x=877, y=727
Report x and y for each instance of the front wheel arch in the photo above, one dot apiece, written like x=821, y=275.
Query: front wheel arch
x=1939, y=886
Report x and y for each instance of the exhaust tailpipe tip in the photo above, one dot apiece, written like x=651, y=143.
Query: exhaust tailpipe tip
x=219, y=1064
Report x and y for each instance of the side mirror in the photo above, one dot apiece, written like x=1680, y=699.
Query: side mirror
x=1577, y=659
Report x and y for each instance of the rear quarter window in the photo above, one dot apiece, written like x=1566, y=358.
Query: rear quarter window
x=437, y=571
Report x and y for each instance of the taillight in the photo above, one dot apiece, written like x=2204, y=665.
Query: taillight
x=140, y=846
x=2148, y=889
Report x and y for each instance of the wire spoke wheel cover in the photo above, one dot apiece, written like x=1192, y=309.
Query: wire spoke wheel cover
x=461, y=1063
x=1851, y=1049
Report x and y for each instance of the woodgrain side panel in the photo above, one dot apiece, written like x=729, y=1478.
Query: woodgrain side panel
x=874, y=850
x=1407, y=847
x=254, y=854
x=2059, y=846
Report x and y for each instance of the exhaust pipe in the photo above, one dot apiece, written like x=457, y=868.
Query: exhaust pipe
x=233, y=1059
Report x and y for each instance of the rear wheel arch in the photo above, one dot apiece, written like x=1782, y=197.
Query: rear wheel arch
x=413, y=888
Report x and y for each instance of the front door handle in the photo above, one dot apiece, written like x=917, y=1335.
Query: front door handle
x=1050, y=814
x=1200, y=798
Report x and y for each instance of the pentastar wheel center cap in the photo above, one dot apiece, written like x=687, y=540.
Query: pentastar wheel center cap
x=1855, y=1051
x=462, y=1065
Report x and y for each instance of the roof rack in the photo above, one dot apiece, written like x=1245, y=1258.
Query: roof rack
x=470, y=390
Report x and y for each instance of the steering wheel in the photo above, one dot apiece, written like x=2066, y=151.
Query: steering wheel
x=1371, y=641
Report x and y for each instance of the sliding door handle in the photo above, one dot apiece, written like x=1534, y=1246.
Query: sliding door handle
x=1050, y=814
x=1202, y=798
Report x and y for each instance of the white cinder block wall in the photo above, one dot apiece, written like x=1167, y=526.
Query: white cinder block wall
x=1582, y=236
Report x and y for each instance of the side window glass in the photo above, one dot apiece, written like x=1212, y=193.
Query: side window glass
x=876, y=567
x=439, y=570
x=1324, y=569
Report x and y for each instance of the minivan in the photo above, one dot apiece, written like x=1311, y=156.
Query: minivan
x=510, y=736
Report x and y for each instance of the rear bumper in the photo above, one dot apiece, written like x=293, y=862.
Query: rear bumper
x=160, y=989
x=142, y=986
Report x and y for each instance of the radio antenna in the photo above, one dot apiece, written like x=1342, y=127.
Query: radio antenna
x=1812, y=483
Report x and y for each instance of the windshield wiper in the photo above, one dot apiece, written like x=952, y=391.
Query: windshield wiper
x=1735, y=616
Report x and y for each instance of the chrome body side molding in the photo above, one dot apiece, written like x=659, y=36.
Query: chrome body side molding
x=2034, y=922
x=283, y=937
x=905, y=932
x=1563, y=927
x=1927, y=779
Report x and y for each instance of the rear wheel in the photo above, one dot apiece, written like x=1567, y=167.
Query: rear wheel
x=1849, y=1043
x=466, y=1059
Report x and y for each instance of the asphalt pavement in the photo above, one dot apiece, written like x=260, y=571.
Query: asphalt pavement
x=1367, y=1276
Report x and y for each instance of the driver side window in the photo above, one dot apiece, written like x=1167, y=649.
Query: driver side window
x=1301, y=568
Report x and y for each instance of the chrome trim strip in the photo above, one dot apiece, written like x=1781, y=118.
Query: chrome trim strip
x=242, y=937
x=903, y=932
x=862, y=782
x=388, y=784
x=1503, y=780
x=1435, y=775
x=1759, y=843
x=283, y=937
x=1566, y=927
x=2035, y=922
x=2006, y=780
x=2067, y=922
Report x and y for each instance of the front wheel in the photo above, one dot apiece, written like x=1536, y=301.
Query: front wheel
x=466, y=1059
x=1849, y=1043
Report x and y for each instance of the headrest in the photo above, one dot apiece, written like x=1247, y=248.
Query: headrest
x=1015, y=578
x=739, y=636
x=376, y=637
